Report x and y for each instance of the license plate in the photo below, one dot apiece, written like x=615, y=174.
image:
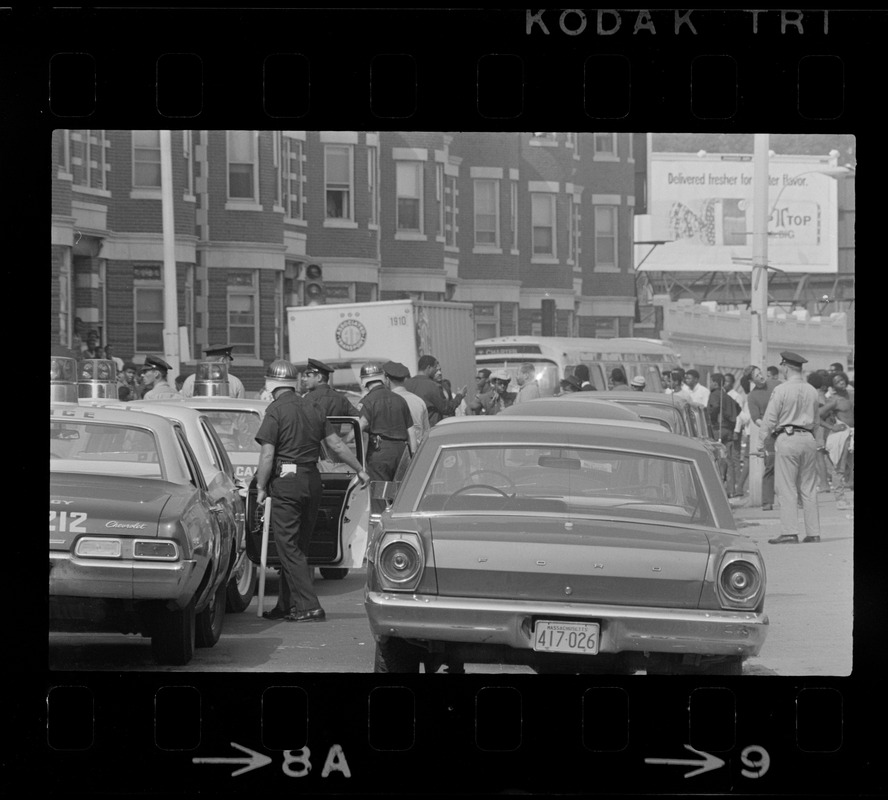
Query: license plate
x=566, y=637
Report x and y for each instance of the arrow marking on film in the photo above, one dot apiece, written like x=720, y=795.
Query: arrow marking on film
x=254, y=761
x=708, y=763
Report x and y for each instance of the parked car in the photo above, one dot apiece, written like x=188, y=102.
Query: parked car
x=564, y=545
x=139, y=541
x=680, y=415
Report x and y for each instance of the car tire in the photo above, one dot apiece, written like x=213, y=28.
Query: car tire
x=173, y=637
x=242, y=585
x=209, y=622
x=334, y=573
x=396, y=655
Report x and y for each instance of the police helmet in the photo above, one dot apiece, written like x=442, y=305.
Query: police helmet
x=371, y=373
x=281, y=374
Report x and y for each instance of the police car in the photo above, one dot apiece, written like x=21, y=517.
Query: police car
x=139, y=540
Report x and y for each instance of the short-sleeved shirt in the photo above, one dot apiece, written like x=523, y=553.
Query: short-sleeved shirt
x=418, y=411
x=161, y=391
x=235, y=387
x=793, y=402
x=295, y=427
x=386, y=413
x=331, y=402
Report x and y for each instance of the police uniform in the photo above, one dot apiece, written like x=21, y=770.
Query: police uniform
x=235, y=385
x=296, y=428
x=388, y=419
x=791, y=417
x=398, y=373
x=331, y=402
x=161, y=389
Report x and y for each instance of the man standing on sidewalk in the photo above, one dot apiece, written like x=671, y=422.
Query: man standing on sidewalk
x=792, y=416
x=757, y=403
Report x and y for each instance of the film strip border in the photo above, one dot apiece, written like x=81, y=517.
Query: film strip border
x=348, y=67
x=450, y=735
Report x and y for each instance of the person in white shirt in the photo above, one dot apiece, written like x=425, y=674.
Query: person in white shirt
x=699, y=393
x=218, y=353
x=530, y=387
x=396, y=374
x=676, y=379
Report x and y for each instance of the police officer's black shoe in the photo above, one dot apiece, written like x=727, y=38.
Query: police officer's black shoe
x=785, y=538
x=276, y=613
x=809, y=539
x=313, y=615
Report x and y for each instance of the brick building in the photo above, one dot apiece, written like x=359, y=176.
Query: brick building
x=501, y=220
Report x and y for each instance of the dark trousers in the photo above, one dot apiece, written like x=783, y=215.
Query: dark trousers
x=383, y=459
x=294, y=510
x=768, y=475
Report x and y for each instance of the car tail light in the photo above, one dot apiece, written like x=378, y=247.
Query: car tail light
x=400, y=561
x=741, y=580
x=97, y=548
x=155, y=549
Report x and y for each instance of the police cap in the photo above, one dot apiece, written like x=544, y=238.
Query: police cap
x=220, y=350
x=319, y=366
x=793, y=358
x=396, y=370
x=153, y=362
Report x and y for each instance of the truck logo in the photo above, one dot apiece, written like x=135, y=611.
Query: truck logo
x=351, y=334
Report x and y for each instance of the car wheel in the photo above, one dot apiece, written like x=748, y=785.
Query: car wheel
x=395, y=655
x=242, y=586
x=334, y=573
x=172, y=640
x=208, y=624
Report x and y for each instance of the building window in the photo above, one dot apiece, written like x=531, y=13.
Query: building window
x=487, y=213
x=513, y=207
x=242, y=172
x=64, y=151
x=486, y=320
x=605, y=236
x=373, y=183
x=146, y=159
x=338, y=181
x=89, y=159
x=575, y=229
x=439, y=197
x=572, y=140
x=277, y=158
x=450, y=210
x=291, y=177
x=409, y=195
x=605, y=145
x=148, y=308
x=543, y=215
x=188, y=152
x=243, y=306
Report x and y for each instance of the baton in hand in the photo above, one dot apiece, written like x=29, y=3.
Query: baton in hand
x=263, y=557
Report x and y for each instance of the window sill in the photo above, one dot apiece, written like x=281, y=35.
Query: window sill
x=605, y=157
x=64, y=176
x=410, y=236
x=544, y=260
x=94, y=192
x=296, y=221
x=189, y=198
x=277, y=208
x=451, y=248
x=515, y=252
x=440, y=239
x=605, y=268
x=372, y=226
x=543, y=143
x=487, y=250
x=145, y=194
x=340, y=223
x=243, y=205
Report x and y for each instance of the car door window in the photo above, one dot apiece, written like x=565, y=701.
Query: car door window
x=188, y=459
x=218, y=454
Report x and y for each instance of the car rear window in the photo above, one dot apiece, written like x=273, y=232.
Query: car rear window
x=566, y=480
x=103, y=449
x=237, y=429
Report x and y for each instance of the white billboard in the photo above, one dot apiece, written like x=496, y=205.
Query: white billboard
x=701, y=207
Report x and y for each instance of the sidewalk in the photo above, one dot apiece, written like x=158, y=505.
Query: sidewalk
x=830, y=516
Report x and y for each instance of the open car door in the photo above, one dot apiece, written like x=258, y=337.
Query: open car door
x=339, y=539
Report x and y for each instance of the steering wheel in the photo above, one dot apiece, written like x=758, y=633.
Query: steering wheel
x=492, y=472
x=474, y=486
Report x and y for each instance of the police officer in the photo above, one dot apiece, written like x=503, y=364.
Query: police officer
x=322, y=394
x=395, y=375
x=388, y=422
x=791, y=417
x=290, y=436
x=221, y=352
x=154, y=376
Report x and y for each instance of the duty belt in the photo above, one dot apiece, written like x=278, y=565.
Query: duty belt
x=789, y=430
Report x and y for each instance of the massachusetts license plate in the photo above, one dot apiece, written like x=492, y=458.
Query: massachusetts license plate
x=566, y=637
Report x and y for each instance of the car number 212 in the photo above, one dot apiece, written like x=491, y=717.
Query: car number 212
x=67, y=521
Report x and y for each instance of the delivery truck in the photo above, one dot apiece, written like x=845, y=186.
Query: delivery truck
x=347, y=335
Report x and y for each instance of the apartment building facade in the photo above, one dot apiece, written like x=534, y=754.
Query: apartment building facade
x=500, y=220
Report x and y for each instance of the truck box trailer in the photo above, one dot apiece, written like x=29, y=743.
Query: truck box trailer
x=347, y=335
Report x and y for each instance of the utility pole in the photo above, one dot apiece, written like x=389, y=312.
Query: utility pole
x=170, y=291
